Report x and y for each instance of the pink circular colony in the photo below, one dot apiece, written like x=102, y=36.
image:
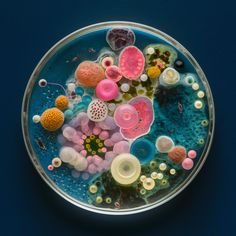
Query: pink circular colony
x=104, y=135
x=126, y=116
x=187, y=164
x=131, y=62
x=113, y=73
x=107, y=90
x=192, y=154
x=144, y=108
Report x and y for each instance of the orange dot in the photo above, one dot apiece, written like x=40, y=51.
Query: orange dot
x=62, y=102
x=52, y=119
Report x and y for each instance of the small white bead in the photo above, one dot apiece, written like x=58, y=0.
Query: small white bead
x=56, y=162
x=142, y=178
x=71, y=87
x=154, y=175
x=150, y=50
x=201, y=94
x=143, y=77
x=162, y=166
x=36, y=119
x=125, y=87
x=160, y=176
x=172, y=171
x=195, y=86
x=198, y=104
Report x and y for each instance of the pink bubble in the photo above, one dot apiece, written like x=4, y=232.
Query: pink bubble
x=96, y=130
x=80, y=118
x=107, y=90
x=81, y=141
x=121, y=147
x=83, y=153
x=126, y=116
x=109, y=155
x=108, y=143
x=84, y=136
x=97, y=160
x=90, y=159
x=192, y=154
x=92, y=169
x=104, y=135
x=107, y=124
x=86, y=130
x=113, y=73
x=104, y=149
x=75, y=139
x=69, y=132
x=116, y=137
x=187, y=164
x=79, y=133
x=78, y=147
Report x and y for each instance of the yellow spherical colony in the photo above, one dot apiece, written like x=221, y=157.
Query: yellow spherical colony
x=52, y=119
x=62, y=102
x=153, y=72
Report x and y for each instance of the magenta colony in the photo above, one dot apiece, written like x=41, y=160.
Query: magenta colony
x=104, y=120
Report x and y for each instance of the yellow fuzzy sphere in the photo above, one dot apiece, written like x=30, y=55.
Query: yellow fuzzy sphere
x=52, y=119
x=153, y=72
x=62, y=102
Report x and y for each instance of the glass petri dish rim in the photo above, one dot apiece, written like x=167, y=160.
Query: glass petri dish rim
x=59, y=45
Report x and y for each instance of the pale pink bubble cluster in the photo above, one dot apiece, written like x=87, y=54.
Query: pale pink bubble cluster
x=78, y=130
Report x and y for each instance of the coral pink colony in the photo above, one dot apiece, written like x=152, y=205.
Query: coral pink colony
x=117, y=122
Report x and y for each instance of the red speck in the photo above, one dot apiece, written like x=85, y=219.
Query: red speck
x=50, y=167
x=107, y=63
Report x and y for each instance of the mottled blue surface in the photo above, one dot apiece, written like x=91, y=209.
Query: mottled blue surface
x=29, y=29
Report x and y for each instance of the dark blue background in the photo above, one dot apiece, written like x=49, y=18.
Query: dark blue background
x=29, y=29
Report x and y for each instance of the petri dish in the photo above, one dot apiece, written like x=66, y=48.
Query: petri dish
x=107, y=164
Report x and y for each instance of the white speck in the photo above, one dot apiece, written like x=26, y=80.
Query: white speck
x=198, y=104
x=71, y=87
x=150, y=50
x=36, y=119
x=201, y=94
x=143, y=77
x=125, y=87
x=195, y=86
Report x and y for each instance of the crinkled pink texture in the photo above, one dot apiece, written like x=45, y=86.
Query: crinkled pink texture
x=144, y=108
x=131, y=62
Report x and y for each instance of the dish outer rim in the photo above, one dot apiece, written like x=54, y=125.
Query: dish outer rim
x=89, y=29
